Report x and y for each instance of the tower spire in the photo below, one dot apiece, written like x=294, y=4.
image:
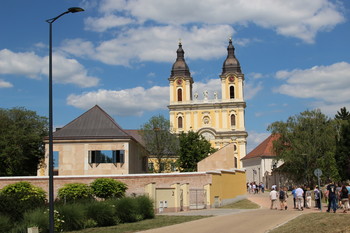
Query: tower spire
x=231, y=64
x=180, y=67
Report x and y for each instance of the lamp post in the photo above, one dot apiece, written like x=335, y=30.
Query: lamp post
x=51, y=186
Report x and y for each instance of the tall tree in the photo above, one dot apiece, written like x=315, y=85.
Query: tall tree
x=159, y=140
x=342, y=154
x=306, y=142
x=21, y=141
x=193, y=148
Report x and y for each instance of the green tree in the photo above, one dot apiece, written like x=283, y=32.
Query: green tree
x=193, y=148
x=158, y=139
x=342, y=154
x=306, y=142
x=21, y=141
x=108, y=187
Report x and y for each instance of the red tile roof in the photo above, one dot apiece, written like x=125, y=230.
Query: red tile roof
x=264, y=149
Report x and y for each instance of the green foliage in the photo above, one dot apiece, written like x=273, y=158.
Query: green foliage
x=21, y=141
x=102, y=213
x=74, y=192
x=342, y=154
x=74, y=215
x=108, y=187
x=37, y=218
x=306, y=142
x=5, y=223
x=159, y=140
x=19, y=197
x=193, y=148
x=145, y=207
x=126, y=210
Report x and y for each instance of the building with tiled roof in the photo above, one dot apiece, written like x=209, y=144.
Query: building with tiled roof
x=94, y=144
x=259, y=163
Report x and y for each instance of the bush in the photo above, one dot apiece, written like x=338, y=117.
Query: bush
x=38, y=218
x=126, y=210
x=145, y=207
x=74, y=216
x=5, y=223
x=17, y=198
x=108, y=187
x=102, y=213
x=74, y=192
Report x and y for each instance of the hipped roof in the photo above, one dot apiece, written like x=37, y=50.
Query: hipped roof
x=264, y=149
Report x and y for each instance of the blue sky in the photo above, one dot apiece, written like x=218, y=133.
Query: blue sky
x=118, y=54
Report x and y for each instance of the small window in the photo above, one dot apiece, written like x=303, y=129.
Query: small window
x=179, y=122
x=56, y=163
x=162, y=166
x=233, y=120
x=232, y=92
x=179, y=94
x=151, y=167
x=236, y=161
x=106, y=156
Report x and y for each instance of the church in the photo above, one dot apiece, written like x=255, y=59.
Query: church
x=220, y=119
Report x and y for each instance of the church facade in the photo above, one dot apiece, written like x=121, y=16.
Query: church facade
x=221, y=119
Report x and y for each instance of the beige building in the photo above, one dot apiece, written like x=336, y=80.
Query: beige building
x=219, y=120
x=94, y=144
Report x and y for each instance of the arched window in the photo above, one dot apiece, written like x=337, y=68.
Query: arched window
x=233, y=120
x=179, y=122
x=179, y=94
x=232, y=92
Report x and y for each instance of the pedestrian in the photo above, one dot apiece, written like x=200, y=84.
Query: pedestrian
x=294, y=197
x=262, y=187
x=318, y=197
x=282, y=196
x=299, y=192
x=332, y=199
x=273, y=198
x=308, y=198
x=344, y=197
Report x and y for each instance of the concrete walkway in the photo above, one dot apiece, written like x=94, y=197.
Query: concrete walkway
x=236, y=221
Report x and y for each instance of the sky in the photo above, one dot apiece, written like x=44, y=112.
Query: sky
x=295, y=56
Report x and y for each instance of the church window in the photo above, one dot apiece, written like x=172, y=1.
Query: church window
x=179, y=122
x=179, y=94
x=233, y=120
x=232, y=92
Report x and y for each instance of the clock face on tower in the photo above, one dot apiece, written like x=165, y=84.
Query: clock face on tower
x=231, y=78
x=179, y=81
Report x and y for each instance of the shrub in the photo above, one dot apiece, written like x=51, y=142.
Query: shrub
x=73, y=215
x=74, y=192
x=145, y=207
x=38, y=218
x=126, y=210
x=102, y=213
x=108, y=187
x=17, y=198
x=5, y=223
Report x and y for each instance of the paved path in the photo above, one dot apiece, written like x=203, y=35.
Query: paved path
x=236, y=221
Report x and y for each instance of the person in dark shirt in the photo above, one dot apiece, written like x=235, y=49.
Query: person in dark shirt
x=332, y=198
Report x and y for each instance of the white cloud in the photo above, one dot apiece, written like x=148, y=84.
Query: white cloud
x=128, y=102
x=212, y=85
x=4, y=84
x=254, y=139
x=67, y=71
x=298, y=18
x=251, y=89
x=328, y=85
x=106, y=22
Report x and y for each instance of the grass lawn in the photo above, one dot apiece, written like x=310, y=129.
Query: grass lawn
x=243, y=204
x=158, y=221
x=317, y=222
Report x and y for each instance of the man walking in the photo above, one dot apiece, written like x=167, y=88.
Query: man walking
x=273, y=198
x=332, y=197
x=299, y=192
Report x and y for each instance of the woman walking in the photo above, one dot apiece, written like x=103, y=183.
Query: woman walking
x=344, y=197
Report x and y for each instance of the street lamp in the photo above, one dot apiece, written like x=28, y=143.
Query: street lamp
x=51, y=187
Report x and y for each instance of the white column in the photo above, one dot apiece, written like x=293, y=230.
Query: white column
x=223, y=89
x=171, y=88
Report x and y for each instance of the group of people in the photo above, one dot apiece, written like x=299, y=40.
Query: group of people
x=255, y=188
x=337, y=196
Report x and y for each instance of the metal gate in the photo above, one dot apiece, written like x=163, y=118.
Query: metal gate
x=198, y=199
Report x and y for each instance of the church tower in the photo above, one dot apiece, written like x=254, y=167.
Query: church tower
x=219, y=120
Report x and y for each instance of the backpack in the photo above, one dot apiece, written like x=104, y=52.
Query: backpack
x=281, y=196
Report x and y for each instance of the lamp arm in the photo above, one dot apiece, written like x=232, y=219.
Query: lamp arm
x=54, y=19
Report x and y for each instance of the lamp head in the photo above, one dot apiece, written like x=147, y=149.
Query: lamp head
x=75, y=9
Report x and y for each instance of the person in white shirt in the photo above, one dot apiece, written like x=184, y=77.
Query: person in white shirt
x=273, y=198
x=300, y=200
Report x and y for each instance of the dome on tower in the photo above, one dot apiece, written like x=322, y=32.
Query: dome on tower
x=180, y=67
x=231, y=64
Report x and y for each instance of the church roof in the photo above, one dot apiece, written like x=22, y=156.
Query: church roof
x=264, y=149
x=180, y=67
x=231, y=64
x=93, y=124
